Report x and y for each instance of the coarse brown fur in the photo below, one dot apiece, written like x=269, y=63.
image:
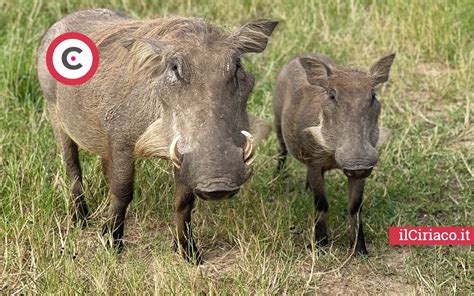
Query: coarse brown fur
x=326, y=116
x=159, y=80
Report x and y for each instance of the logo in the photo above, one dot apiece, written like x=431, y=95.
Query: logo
x=431, y=235
x=72, y=58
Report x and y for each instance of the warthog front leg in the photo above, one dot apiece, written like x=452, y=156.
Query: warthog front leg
x=121, y=191
x=106, y=164
x=184, y=203
x=356, y=191
x=315, y=180
x=282, y=150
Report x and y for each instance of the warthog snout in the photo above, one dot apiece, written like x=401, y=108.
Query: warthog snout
x=216, y=189
x=357, y=161
x=247, y=156
x=358, y=174
x=213, y=171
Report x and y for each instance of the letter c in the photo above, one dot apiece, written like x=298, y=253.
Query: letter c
x=64, y=58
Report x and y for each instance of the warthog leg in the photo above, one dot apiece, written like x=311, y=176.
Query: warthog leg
x=106, y=167
x=282, y=150
x=70, y=155
x=316, y=183
x=121, y=191
x=356, y=191
x=184, y=203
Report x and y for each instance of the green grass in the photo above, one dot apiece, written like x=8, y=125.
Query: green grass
x=424, y=177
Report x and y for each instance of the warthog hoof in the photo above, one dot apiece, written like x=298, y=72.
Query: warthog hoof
x=360, y=248
x=80, y=215
x=190, y=253
x=114, y=239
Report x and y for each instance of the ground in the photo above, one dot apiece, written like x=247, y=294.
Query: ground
x=259, y=242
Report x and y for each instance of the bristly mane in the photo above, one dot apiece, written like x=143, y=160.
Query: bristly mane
x=174, y=33
x=172, y=29
x=347, y=70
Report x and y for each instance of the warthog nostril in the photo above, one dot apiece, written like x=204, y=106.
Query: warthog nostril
x=358, y=173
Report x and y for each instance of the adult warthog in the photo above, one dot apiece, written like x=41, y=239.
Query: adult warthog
x=173, y=88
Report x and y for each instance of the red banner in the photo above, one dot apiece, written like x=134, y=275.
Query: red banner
x=431, y=235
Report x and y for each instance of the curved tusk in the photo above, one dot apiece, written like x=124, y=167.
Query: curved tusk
x=250, y=160
x=173, y=155
x=248, y=150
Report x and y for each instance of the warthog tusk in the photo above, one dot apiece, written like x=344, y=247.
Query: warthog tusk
x=173, y=155
x=248, y=150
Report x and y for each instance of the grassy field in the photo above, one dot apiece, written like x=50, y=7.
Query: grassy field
x=260, y=241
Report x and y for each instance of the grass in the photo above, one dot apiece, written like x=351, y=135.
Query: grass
x=260, y=241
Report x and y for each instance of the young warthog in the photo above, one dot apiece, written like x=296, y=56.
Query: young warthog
x=326, y=116
x=173, y=88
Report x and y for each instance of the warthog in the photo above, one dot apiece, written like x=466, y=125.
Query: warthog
x=326, y=117
x=173, y=88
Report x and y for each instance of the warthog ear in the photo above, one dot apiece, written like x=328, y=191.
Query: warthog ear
x=253, y=36
x=380, y=70
x=259, y=129
x=384, y=135
x=317, y=72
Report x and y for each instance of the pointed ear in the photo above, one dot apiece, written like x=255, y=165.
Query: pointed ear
x=253, y=36
x=317, y=72
x=380, y=70
x=259, y=128
x=384, y=135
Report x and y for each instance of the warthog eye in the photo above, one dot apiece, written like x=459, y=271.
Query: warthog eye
x=239, y=74
x=175, y=70
x=238, y=66
x=373, y=99
x=332, y=94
